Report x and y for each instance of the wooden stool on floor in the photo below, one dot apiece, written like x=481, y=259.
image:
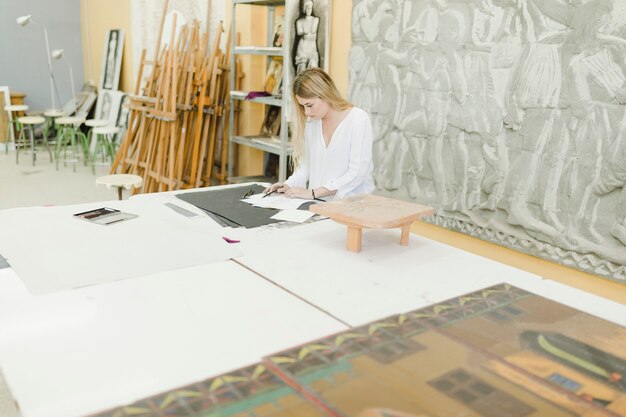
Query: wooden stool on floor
x=17, y=110
x=29, y=123
x=373, y=212
x=120, y=181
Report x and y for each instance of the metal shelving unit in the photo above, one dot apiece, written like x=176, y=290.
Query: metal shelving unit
x=280, y=147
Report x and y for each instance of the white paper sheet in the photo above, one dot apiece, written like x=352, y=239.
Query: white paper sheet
x=277, y=201
x=297, y=216
x=52, y=251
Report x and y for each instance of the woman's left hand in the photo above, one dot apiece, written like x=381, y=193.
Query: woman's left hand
x=297, y=192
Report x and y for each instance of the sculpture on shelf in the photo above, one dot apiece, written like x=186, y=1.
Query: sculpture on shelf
x=506, y=115
x=307, y=25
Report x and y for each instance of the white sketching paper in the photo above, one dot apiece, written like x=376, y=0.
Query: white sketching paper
x=276, y=201
x=296, y=216
x=52, y=251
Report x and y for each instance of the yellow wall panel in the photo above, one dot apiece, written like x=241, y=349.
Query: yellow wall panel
x=98, y=17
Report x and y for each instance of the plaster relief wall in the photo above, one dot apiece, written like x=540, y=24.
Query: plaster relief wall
x=508, y=116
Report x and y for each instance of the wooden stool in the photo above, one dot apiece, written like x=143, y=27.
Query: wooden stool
x=71, y=137
x=104, y=144
x=29, y=123
x=19, y=110
x=374, y=212
x=120, y=181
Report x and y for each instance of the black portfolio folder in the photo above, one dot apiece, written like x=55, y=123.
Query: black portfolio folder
x=227, y=208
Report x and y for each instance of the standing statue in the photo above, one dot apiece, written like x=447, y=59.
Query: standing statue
x=306, y=55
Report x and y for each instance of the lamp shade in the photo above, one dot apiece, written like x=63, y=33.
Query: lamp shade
x=23, y=20
x=57, y=53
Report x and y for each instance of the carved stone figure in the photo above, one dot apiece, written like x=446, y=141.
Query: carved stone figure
x=509, y=116
x=307, y=55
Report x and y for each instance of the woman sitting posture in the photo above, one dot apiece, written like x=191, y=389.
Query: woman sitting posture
x=332, y=142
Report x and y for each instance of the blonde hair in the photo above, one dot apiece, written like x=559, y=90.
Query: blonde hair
x=311, y=83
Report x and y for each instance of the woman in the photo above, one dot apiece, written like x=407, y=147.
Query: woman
x=332, y=142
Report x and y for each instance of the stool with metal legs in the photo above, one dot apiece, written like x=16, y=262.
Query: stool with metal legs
x=71, y=137
x=93, y=123
x=18, y=110
x=105, y=147
x=50, y=116
x=29, y=123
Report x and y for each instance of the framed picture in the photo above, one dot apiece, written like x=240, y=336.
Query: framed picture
x=279, y=31
x=271, y=121
x=310, y=33
x=5, y=116
x=121, y=121
x=108, y=105
x=274, y=77
x=112, y=60
x=85, y=99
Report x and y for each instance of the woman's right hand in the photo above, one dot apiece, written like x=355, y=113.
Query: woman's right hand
x=275, y=187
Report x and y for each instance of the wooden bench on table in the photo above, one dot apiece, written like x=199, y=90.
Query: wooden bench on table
x=372, y=212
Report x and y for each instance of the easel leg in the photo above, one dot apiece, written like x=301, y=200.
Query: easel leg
x=404, y=239
x=354, y=239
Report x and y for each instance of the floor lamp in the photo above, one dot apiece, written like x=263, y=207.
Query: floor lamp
x=23, y=21
x=58, y=54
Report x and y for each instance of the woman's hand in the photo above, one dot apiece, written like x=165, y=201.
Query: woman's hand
x=276, y=187
x=297, y=192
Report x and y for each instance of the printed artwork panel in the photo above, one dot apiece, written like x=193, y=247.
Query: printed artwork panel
x=499, y=351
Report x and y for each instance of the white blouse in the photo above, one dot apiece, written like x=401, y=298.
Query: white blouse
x=345, y=165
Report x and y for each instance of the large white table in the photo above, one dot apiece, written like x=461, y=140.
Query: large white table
x=386, y=278
x=76, y=352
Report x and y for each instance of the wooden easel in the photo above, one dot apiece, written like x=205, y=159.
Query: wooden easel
x=175, y=119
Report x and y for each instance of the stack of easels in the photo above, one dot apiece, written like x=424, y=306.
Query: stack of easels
x=178, y=120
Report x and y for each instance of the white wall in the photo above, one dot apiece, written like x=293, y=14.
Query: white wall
x=24, y=65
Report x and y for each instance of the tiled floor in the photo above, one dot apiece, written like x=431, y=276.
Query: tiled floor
x=25, y=184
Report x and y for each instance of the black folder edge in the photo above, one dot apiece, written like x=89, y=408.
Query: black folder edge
x=222, y=221
x=262, y=216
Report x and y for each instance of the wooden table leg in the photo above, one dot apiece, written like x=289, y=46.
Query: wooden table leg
x=354, y=239
x=404, y=239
